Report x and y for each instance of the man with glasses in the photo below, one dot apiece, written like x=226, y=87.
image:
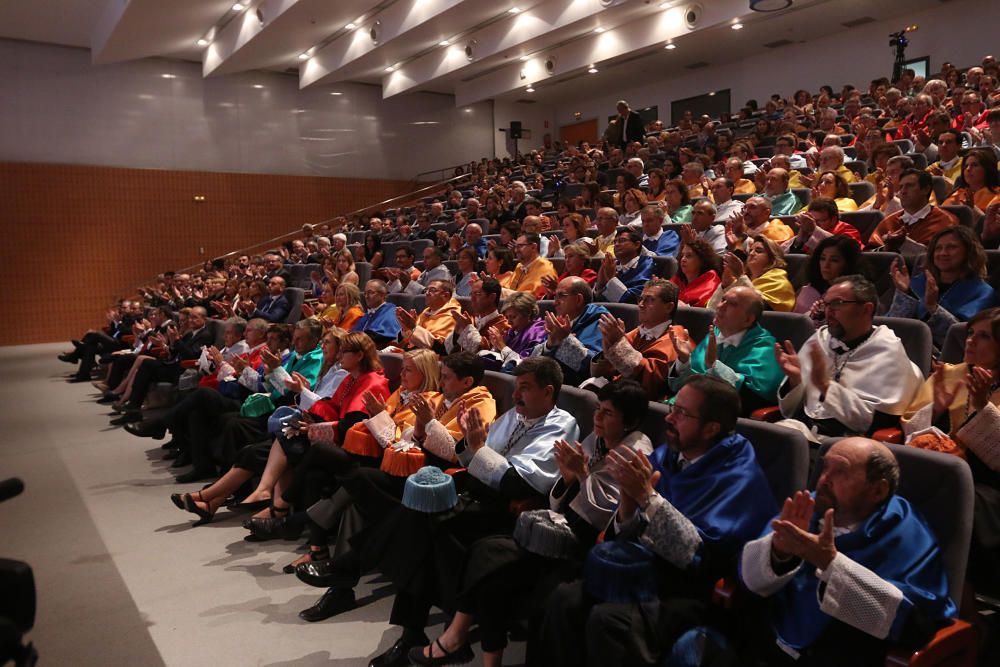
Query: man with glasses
x=274, y=307
x=531, y=268
x=621, y=278
x=403, y=276
x=820, y=221
x=379, y=321
x=737, y=349
x=434, y=269
x=573, y=330
x=910, y=229
x=694, y=504
x=703, y=227
x=472, y=331
x=655, y=239
x=785, y=145
x=850, y=377
x=430, y=328
x=949, y=162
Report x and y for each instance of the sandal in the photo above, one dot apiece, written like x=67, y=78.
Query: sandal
x=178, y=500
x=313, y=556
x=267, y=528
x=459, y=656
x=204, y=515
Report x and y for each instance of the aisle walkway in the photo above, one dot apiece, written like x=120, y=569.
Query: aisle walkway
x=123, y=579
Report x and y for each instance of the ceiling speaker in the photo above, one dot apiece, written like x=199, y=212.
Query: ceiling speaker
x=692, y=15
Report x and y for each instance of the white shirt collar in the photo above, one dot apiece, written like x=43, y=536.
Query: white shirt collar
x=733, y=339
x=528, y=422
x=654, y=332
x=631, y=264
x=647, y=237
x=909, y=219
x=950, y=163
x=485, y=319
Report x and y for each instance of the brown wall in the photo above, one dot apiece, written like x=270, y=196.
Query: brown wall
x=77, y=237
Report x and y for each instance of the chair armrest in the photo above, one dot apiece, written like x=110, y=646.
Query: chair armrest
x=724, y=594
x=189, y=363
x=891, y=434
x=454, y=471
x=769, y=414
x=953, y=646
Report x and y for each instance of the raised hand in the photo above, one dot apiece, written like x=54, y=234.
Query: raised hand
x=634, y=474
x=943, y=396
x=979, y=382
x=422, y=410
x=796, y=511
x=807, y=225
x=817, y=550
x=688, y=234
x=550, y=283
x=214, y=354
x=819, y=375
x=473, y=428
x=407, y=318
x=308, y=310
x=571, y=461
x=238, y=364
x=683, y=345
x=612, y=330
x=991, y=223
x=462, y=320
x=788, y=361
x=900, y=276
x=373, y=404
x=557, y=327
x=711, y=349
x=931, y=293
x=496, y=339
x=270, y=359
x=554, y=245
x=607, y=271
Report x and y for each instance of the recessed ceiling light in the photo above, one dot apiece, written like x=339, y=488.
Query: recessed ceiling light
x=202, y=42
x=390, y=68
x=514, y=10
x=670, y=47
x=336, y=93
x=351, y=26
x=258, y=86
x=737, y=26
x=238, y=7
x=468, y=111
x=598, y=30
x=529, y=89
x=592, y=70
x=168, y=76
x=303, y=56
x=525, y=59
x=444, y=42
x=712, y=94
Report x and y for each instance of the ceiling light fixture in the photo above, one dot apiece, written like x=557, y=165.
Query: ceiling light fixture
x=168, y=76
x=670, y=47
x=514, y=10
x=737, y=26
x=336, y=93
x=350, y=26
x=525, y=59
x=529, y=89
x=390, y=68
x=258, y=86
x=303, y=56
x=444, y=42
x=592, y=70
x=202, y=42
x=769, y=5
x=598, y=30
x=238, y=7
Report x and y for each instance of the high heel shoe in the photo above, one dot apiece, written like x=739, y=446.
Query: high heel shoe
x=204, y=515
x=314, y=556
x=267, y=528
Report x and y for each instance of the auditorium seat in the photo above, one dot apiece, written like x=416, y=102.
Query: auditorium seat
x=364, y=271
x=626, y=312
x=963, y=213
x=916, y=338
x=415, y=302
x=295, y=296
x=804, y=195
x=796, y=263
x=859, y=167
x=919, y=160
x=392, y=367
x=942, y=188
x=795, y=327
x=861, y=191
x=501, y=386
x=953, y=349
x=664, y=267
x=580, y=403
x=695, y=320
x=863, y=221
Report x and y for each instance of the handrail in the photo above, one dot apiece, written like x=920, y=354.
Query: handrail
x=416, y=179
x=366, y=209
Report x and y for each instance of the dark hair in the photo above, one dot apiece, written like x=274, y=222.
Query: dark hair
x=839, y=182
x=546, y=371
x=991, y=315
x=532, y=238
x=681, y=188
x=881, y=466
x=513, y=228
x=505, y=257
x=465, y=365
x=407, y=250
x=492, y=286
x=474, y=254
x=825, y=205
x=283, y=331
x=668, y=291
x=975, y=256
x=721, y=397
x=376, y=247
x=363, y=344
x=987, y=159
x=661, y=175
x=436, y=250
x=629, y=398
x=924, y=180
x=847, y=248
x=633, y=235
x=710, y=260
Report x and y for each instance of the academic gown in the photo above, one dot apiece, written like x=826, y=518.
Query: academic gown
x=961, y=301
x=787, y=203
x=382, y=325
x=628, y=284
x=576, y=352
x=666, y=245
x=697, y=292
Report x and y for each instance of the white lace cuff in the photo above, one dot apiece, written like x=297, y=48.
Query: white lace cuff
x=979, y=435
x=382, y=428
x=488, y=466
x=725, y=373
x=572, y=353
x=439, y=441
x=670, y=534
x=277, y=377
x=623, y=357
x=469, y=339
x=921, y=420
x=756, y=570
x=857, y=596
x=614, y=290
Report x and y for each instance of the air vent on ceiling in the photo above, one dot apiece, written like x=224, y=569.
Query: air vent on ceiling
x=859, y=21
x=526, y=101
x=697, y=65
x=778, y=43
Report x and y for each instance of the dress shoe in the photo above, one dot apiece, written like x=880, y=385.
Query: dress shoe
x=324, y=574
x=154, y=429
x=76, y=379
x=398, y=653
x=108, y=398
x=127, y=417
x=182, y=459
x=69, y=358
x=119, y=405
x=334, y=601
x=195, y=476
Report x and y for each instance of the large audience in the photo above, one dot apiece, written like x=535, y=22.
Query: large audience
x=459, y=393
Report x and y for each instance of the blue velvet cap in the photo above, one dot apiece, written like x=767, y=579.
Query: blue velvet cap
x=280, y=417
x=429, y=490
x=620, y=572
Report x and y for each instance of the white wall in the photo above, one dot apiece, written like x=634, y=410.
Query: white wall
x=532, y=116
x=56, y=107
x=962, y=32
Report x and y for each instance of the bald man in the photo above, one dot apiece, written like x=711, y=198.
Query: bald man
x=573, y=330
x=783, y=201
x=842, y=586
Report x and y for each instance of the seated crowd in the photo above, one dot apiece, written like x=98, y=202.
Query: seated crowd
x=407, y=415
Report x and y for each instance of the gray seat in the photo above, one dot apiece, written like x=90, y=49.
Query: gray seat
x=953, y=350
x=501, y=386
x=942, y=188
x=546, y=306
x=392, y=366
x=877, y=265
x=916, y=338
x=795, y=327
x=863, y=221
x=298, y=275
x=626, y=312
x=963, y=213
x=364, y=271
x=218, y=328
x=804, y=195
x=415, y=302
x=796, y=263
x=940, y=487
x=905, y=145
x=858, y=166
x=664, y=267
x=861, y=191
x=580, y=403
x=572, y=189
x=695, y=320
x=295, y=296
x=919, y=160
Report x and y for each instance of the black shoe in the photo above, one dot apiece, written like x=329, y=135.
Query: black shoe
x=398, y=653
x=324, y=574
x=195, y=476
x=459, y=656
x=119, y=405
x=154, y=429
x=127, y=417
x=334, y=601
x=108, y=398
x=76, y=379
x=183, y=459
x=69, y=358
x=171, y=455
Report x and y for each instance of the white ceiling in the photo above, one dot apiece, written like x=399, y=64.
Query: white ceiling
x=410, y=32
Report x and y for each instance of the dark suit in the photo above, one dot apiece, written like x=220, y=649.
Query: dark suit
x=274, y=309
x=630, y=129
x=168, y=370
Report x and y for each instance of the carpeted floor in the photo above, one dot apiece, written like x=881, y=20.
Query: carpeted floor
x=122, y=577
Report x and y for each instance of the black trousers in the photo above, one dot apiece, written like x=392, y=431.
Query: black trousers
x=197, y=420
x=149, y=372
x=319, y=474
x=120, y=366
x=95, y=343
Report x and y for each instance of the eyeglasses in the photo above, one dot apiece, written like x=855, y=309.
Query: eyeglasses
x=683, y=413
x=839, y=303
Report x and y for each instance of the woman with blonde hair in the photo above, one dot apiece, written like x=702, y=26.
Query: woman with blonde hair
x=763, y=270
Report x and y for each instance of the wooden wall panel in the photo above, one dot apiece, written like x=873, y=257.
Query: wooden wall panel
x=76, y=237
